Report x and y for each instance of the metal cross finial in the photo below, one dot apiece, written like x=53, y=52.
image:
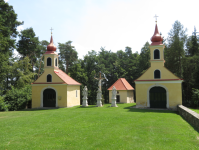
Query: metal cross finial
x=51, y=30
x=156, y=18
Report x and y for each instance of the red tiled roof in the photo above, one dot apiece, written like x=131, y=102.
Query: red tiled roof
x=121, y=84
x=66, y=78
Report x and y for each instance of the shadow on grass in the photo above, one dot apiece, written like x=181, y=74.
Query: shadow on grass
x=39, y=109
x=194, y=127
x=148, y=110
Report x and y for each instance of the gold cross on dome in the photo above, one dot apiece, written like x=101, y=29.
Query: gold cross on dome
x=51, y=30
x=156, y=18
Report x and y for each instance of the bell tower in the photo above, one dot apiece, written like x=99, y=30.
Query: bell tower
x=157, y=48
x=51, y=57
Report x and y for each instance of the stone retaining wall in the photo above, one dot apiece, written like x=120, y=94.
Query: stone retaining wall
x=189, y=115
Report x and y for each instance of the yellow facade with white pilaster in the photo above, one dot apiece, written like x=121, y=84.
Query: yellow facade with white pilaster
x=54, y=88
x=158, y=76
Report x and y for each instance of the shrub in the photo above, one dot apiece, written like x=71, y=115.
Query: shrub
x=3, y=105
x=18, y=98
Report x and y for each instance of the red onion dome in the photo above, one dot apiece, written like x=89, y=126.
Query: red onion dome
x=156, y=39
x=51, y=46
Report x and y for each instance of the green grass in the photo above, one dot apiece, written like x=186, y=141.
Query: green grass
x=96, y=128
x=196, y=110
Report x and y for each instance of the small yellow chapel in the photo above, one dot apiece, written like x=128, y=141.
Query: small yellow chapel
x=158, y=87
x=54, y=88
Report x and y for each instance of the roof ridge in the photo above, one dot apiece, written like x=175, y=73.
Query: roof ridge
x=123, y=83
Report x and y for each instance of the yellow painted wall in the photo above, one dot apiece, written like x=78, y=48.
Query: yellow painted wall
x=160, y=48
x=125, y=96
x=130, y=96
x=43, y=77
x=164, y=73
x=71, y=92
x=61, y=91
x=174, y=91
x=52, y=56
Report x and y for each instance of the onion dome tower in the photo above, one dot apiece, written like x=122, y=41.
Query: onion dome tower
x=51, y=46
x=50, y=56
x=156, y=39
x=157, y=47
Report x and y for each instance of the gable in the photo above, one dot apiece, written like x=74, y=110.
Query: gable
x=165, y=74
x=43, y=77
x=121, y=84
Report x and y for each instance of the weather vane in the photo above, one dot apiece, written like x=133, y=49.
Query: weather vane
x=51, y=30
x=156, y=18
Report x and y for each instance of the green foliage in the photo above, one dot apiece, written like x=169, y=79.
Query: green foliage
x=68, y=54
x=144, y=59
x=18, y=98
x=3, y=105
x=28, y=45
x=195, y=98
x=8, y=27
x=174, y=50
x=8, y=34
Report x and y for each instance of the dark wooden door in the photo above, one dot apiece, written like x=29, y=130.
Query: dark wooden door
x=157, y=97
x=118, y=98
x=49, y=98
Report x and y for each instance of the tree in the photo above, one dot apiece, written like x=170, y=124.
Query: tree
x=192, y=44
x=174, y=51
x=68, y=54
x=144, y=59
x=39, y=65
x=28, y=44
x=8, y=28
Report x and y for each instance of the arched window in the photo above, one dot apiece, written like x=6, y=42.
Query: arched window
x=49, y=61
x=156, y=54
x=157, y=74
x=49, y=78
x=56, y=62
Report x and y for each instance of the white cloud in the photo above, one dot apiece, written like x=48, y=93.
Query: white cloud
x=19, y=28
x=6, y=1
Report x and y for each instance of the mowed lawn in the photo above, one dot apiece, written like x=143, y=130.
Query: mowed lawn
x=96, y=129
x=196, y=110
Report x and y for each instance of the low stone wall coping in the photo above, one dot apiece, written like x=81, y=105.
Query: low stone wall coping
x=190, y=116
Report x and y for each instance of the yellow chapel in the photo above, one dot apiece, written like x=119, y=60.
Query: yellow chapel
x=54, y=88
x=158, y=87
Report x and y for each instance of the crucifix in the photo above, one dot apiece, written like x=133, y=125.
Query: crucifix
x=156, y=18
x=100, y=80
x=51, y=30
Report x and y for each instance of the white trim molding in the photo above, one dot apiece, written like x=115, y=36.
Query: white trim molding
x=158, y=85
x=42, y=91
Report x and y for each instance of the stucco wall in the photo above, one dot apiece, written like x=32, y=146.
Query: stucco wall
x=71, y=95
x=189, y=115
x=130, y=96
x=123, y=96
x=174, y=93
x=37, y=94
x=43, y=77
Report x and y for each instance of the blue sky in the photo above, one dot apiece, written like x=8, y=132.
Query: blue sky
x=113, y=24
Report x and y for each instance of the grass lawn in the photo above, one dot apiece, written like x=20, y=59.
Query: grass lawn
x=96, y=128
x=196, y=110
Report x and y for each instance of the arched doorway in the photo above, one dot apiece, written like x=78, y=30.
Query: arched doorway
x=158, y=97
x=49, y=98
